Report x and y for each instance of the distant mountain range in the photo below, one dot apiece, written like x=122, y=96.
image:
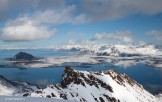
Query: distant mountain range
x=115, y=49
x=120, y=55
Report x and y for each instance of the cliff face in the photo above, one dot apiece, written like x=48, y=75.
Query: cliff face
x=84, y=86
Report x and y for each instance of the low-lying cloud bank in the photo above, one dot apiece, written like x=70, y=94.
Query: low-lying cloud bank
x=125, y=36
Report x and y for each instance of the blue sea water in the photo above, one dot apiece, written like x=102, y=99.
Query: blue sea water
x=149, y=77
x=36, y=52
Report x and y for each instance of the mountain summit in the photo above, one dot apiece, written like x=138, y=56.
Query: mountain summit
x=108, y=86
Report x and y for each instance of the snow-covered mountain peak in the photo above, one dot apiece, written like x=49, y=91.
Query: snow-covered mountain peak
x=108, y=86
x=114, y=49
x=122, y=79
x=82, y=78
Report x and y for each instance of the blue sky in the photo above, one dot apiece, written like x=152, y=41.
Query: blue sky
x=49, y=23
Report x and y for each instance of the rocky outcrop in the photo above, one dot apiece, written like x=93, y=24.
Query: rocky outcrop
x=108, y=86
x=71, y=76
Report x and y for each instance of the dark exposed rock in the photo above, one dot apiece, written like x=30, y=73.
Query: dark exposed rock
x=64, y=96
x=24, y=56
x=38, y=92
x=111, y=99
x=72, y=94
x=128, y=55
x=71, y=76
x=27, y=94
x=57, y=87
x=83, y=100
x=48, y=96
x=122, y=78
x=94, y=98
x=53, y=95
x=101, y=99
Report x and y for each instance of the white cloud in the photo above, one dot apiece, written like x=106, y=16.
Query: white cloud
x=23, y=29
x=156, y=34
x=54, y=16
x=80, y=19
x=71, y=33
x=95, y=10
x=125, y=36
x=99, y=10
x=72, y=41
x=81, y=42
x=122, y=36
x=28, y=27
x=11, y=8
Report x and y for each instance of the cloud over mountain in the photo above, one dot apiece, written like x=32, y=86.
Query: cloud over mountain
x=155, y=34
x=124, y=36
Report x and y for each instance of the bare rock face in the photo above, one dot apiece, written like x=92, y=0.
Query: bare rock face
x=24, y=56
x=71, y=76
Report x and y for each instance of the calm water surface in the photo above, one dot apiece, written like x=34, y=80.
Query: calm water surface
x=149, y=77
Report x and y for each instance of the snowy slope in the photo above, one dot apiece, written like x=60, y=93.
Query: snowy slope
x=96, y=87
x=29, y=99
x=14, y=88
x=114, y=49
x=159, y=96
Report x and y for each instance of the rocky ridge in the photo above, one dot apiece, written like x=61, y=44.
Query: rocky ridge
x=84, y=86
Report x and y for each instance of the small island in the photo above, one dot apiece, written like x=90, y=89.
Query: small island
x=20, y=60
x=24, y=56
